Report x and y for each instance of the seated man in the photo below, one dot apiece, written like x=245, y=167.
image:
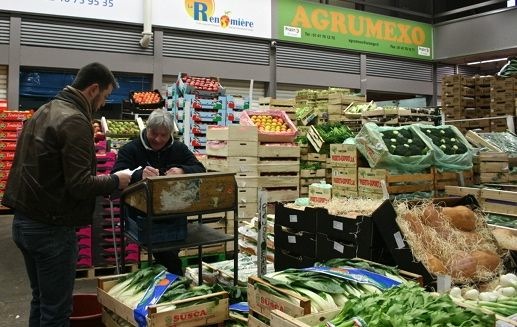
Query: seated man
x=159, y=155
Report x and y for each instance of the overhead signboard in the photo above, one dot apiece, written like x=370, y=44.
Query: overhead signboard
x=325, y=25
x=244, y=17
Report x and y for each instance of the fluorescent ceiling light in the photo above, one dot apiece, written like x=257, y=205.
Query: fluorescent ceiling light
x=510, y=3
x=485, y=61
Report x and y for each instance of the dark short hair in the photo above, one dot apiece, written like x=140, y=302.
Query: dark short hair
x=94, y=73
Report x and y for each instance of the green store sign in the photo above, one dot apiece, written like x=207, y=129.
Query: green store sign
x=331, y=26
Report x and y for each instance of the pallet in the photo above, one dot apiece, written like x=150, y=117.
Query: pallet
x=94, y=272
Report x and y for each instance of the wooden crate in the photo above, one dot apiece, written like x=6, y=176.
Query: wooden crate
x=233, y=133
x=461, y=191
x=312, y=173
x=442, y=179
x=281, y=319
x=499, y=201
x=212, y=312
x=207, y=192
x=263, y=302
x=493, y=167
x=315, y=139
x=278, y=150
x=232, y=149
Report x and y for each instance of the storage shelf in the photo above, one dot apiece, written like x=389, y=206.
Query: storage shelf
x=197, y=235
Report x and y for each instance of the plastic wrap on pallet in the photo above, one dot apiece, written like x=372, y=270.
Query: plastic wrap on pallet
x=370, y=143
x=442, y=160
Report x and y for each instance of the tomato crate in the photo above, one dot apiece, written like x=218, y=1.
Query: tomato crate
x=146, y=99
x=207, y=87
x=288, y=135
x=213, y=311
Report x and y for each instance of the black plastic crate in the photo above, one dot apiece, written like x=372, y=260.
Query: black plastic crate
x=174, y=229
x=303, y=220
x=148, y=106
x=285, y=260
x=294, y=241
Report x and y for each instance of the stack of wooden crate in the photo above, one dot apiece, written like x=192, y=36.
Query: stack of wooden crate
x=344, y=160
x=482, y=93
x=502, y=96
x=313, y=170
x=339, y=102
x=458, y=100
x=272, y=167
x=286, y=105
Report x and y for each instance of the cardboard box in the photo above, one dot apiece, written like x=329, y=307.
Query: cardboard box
x=343, y=155
x=232, y=133
x=232, y=148
x=344, y=178
x=370, y=181
x=339, y=192
x=318, y=194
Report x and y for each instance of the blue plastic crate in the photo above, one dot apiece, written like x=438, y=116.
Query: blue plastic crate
x=162, y=231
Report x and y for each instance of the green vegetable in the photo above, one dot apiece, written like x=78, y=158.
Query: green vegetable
x=410, y=305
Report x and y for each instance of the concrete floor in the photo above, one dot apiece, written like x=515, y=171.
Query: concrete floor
x=15, y=290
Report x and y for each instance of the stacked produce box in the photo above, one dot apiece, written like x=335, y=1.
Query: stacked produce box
x=502, y=94
x=263, y=159
x=347, y=107
x=483, y=103
x=458, y=100
x=313, y=168
x=120, y=132
x=286, y=105
x=200, y=102
x=11, y=123
x=344, y=161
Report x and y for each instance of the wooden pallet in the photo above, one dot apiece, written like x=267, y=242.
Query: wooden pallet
x=94, y=272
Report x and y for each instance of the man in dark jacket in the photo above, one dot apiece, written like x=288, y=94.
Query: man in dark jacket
x=52, y=188
x=158, y=154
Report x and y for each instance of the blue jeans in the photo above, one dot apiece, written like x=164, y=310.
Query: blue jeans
x=50, y=254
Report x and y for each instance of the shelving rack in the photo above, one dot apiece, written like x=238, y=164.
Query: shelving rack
x=164, y=198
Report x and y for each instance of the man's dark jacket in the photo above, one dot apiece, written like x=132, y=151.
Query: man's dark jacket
x=52, y=179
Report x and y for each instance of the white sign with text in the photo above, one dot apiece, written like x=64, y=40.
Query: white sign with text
x=243, y=17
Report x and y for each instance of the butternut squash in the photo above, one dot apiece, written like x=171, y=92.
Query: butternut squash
x=415, y=225
x=434, y=265
x=462, y=265
x=486, y=260
x=431, y=216
x=461, y=217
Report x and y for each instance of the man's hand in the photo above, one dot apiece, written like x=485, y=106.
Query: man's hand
x=124, y=177
x=150, y=172
x=175, y=171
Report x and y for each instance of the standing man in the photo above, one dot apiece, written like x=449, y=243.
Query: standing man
x=159, y=154
x=52, y=187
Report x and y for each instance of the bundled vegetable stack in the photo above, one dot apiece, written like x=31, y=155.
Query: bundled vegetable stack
x=334, y=133
x=404, y=142
x=408, y=305
x=501, y=299
x=450, y=240
x=331, y=285
x=397, y=149
x=446, y=139
x=131, y=288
